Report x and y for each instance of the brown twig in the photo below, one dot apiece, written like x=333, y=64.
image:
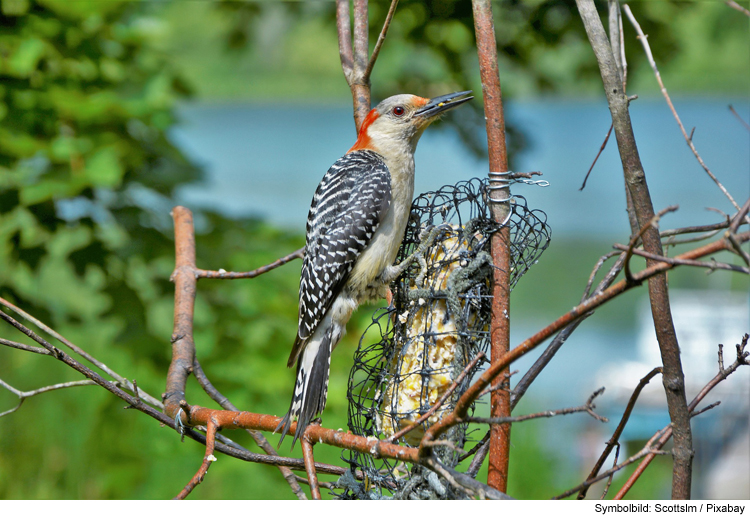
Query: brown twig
x=497, y=475
x=612, y=476
x=673, y=377
x=222, y=274
x=207, y=460
x=381, y=38
x=713, y=265
x=596, y=158
x=27, y=348
x=312, y=476
x=614, y=440
x=595, y=270
x=258, y=437
x=588, y=407
x=742, y=359
x=652, y=224
x=648, y=450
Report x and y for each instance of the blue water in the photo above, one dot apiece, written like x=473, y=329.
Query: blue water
x=267, y=160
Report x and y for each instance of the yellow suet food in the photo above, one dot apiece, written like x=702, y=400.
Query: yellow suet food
x=424, y=368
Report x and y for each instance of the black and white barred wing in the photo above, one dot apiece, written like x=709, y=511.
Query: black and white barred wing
x=346, y=210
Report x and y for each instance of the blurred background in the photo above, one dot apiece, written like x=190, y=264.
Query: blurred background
x=113, y=112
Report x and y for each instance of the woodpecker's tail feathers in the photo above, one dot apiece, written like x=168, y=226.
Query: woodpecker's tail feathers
x=297, y=347
x=311, y=388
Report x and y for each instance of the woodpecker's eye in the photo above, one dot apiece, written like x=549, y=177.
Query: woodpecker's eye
x=399, y=111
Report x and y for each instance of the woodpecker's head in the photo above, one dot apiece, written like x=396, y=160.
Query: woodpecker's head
x=400, y=120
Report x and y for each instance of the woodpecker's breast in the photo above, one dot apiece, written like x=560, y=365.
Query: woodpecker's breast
x=383, y=247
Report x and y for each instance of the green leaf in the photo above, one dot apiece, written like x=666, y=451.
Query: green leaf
x=26, y=57
x=103, y=169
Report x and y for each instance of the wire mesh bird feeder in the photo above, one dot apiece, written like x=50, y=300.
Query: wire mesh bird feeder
x=413, y=352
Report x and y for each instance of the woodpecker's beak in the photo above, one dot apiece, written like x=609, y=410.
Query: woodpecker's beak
x=438, y=105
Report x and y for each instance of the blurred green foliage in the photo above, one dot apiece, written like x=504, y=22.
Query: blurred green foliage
x=88, y=176
x=86, y=184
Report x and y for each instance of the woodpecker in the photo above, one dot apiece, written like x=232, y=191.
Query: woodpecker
x=354, y=229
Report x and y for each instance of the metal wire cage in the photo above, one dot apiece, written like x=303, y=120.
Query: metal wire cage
x=413, y=354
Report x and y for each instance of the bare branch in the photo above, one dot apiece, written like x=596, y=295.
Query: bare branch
x=207, y=460
x=713, y=265
x=637, y=185
x=22, y=395
x=744, y=123
x=27, y=348
x=648, y=450
x=223, y=274
x=742, y=359
x=613, y=441
x=738, y=7
x=652, y=224
x=489, y=72
x=123, y=381
x=343, y=24
x=588, y=407
x=609, y=480
x=596, y=158
x=688, y=138
x=312, y=476
x=381, y=38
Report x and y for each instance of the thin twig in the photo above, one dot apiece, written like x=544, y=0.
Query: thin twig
x=154, y=402
x=207, y=460
x=738, y=7
x=601, y=149
x=588, y=407
x=312, y=476
x=27, y=348
x=612, y=476
x=696, y=263
x=644, y=42
x=706, y=408
x=648, y=450
x=381, y=38
x=222, y=274
x=744, y=123
x=23, y=395
x=742, y=359
x=595, y=270
x=614, y=440
x=653, y=223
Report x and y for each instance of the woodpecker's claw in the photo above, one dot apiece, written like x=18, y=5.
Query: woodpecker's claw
x=391, y=273
x=440, y=104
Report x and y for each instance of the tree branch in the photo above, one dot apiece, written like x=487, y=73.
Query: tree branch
x=635, y=178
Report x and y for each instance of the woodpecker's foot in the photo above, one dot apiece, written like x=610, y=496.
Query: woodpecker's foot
x=391, y=273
